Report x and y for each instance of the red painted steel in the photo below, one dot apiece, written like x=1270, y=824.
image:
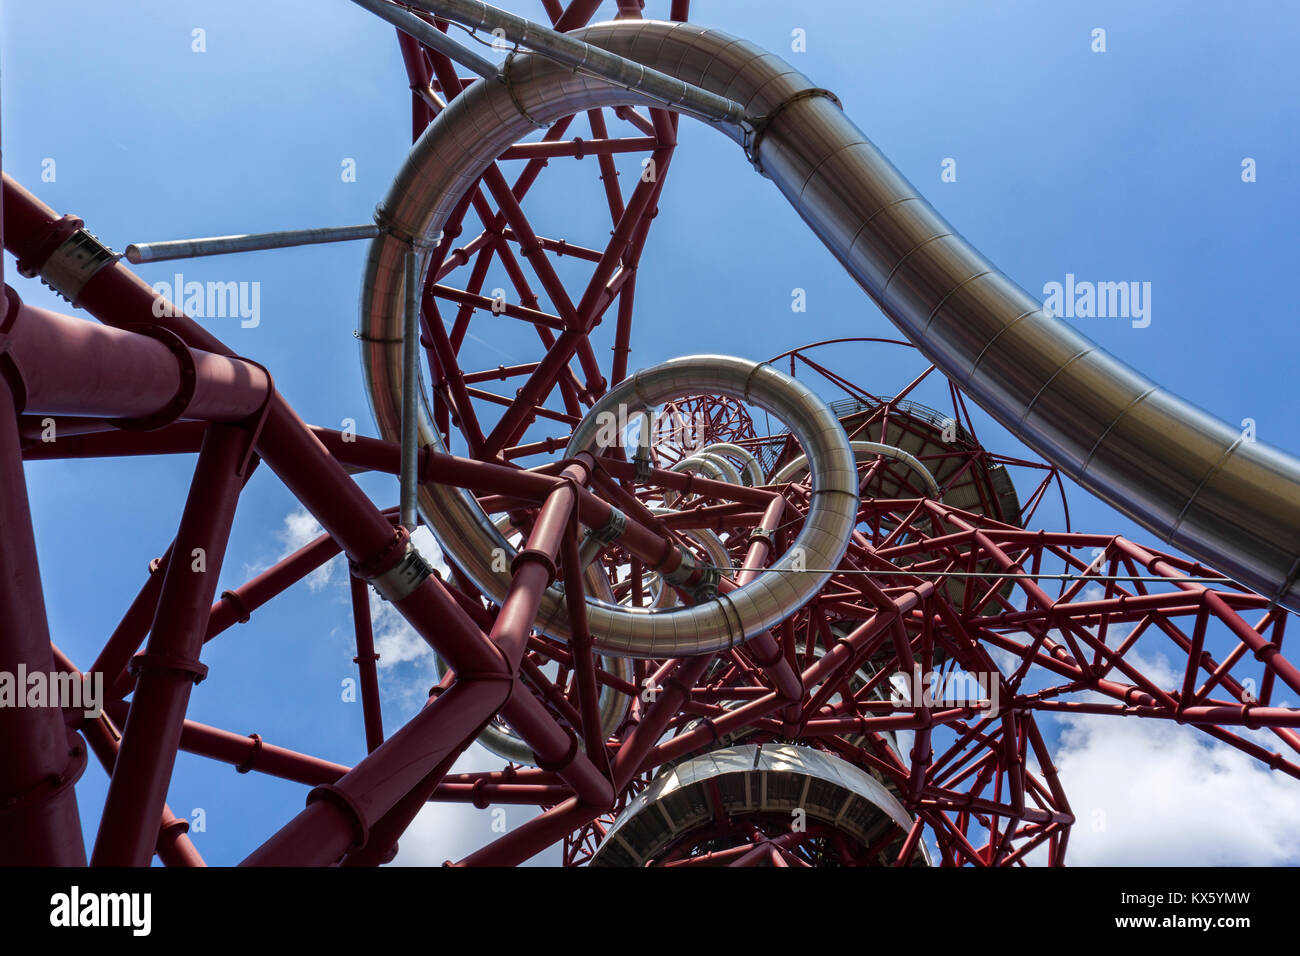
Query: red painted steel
x=925, y=585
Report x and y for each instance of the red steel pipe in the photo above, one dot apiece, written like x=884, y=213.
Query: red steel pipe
x=40, y=759
x=170, y=666
x=173, y=846
x=365, y=660
x=341, y=815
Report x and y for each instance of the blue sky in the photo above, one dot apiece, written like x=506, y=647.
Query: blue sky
x=1118, y=166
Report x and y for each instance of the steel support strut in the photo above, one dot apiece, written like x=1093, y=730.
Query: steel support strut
x=40, y=759
x=170, y=666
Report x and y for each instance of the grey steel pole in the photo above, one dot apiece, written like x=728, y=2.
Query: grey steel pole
x=139, y=252
x=410, y=380
x=578, y=55
x=431, y=37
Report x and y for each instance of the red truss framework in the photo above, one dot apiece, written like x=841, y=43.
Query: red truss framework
x=1044, y=621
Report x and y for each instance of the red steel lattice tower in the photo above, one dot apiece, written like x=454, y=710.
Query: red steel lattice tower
x=704, y=616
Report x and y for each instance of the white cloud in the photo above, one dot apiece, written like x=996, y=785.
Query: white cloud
x=1150, y=792
x=299, y=530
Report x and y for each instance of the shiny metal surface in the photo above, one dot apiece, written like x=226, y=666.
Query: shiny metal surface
x=753, y=779
x=409, y=477
x=715, y=554
x=1182, y=474
x=751, y=471
x=579, y=56
x=430, y=36
x=864, y=451
x=706, y=465
x=710, y=466
x=734, y=617
x=246, y=242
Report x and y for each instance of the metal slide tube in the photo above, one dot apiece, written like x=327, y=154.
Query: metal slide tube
x=864, y=451
x=751, y=470
x=1183, y=475
x=709, y=465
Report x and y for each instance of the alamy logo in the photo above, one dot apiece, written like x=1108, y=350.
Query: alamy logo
x=1102, y=300
x=211, y=300
x=954, y=689
x=686, y=429
x=62, y=690
x=74, y=908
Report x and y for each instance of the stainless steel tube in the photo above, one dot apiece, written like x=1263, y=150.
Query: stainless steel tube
x=738, y=615
x=139, y=252
x=1182, y=474
x=751, y=471
x=865, y=451
x=409, y=482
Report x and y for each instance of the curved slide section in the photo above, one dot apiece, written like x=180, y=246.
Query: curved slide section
x=1180, y=473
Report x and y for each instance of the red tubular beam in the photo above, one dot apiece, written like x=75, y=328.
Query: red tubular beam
x=462, y=297
x=118, y=297
x=381, y=847
x=549, y=692
x=39, y=759
x=763, y=648
x=1264, y=650
x=180, y=438
x=484, y=477
x=680, y=481
x=60, y=362
x=760, y=546
x=341, y=816
x=365, y=660
x=134, y=626
x=584, y=666
x=248, y=753
x=676, y=691
x=754, y=854
x=170, y=666
x=623, y=330
x=909, y=845
x=173, y=847
x=534, y=571
x=532, y=837
x=235, y=607
x=560, y=247
x=577, y=14
x=512, y=775
x=498, y=374
x=483, y=795
x=608, y=171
